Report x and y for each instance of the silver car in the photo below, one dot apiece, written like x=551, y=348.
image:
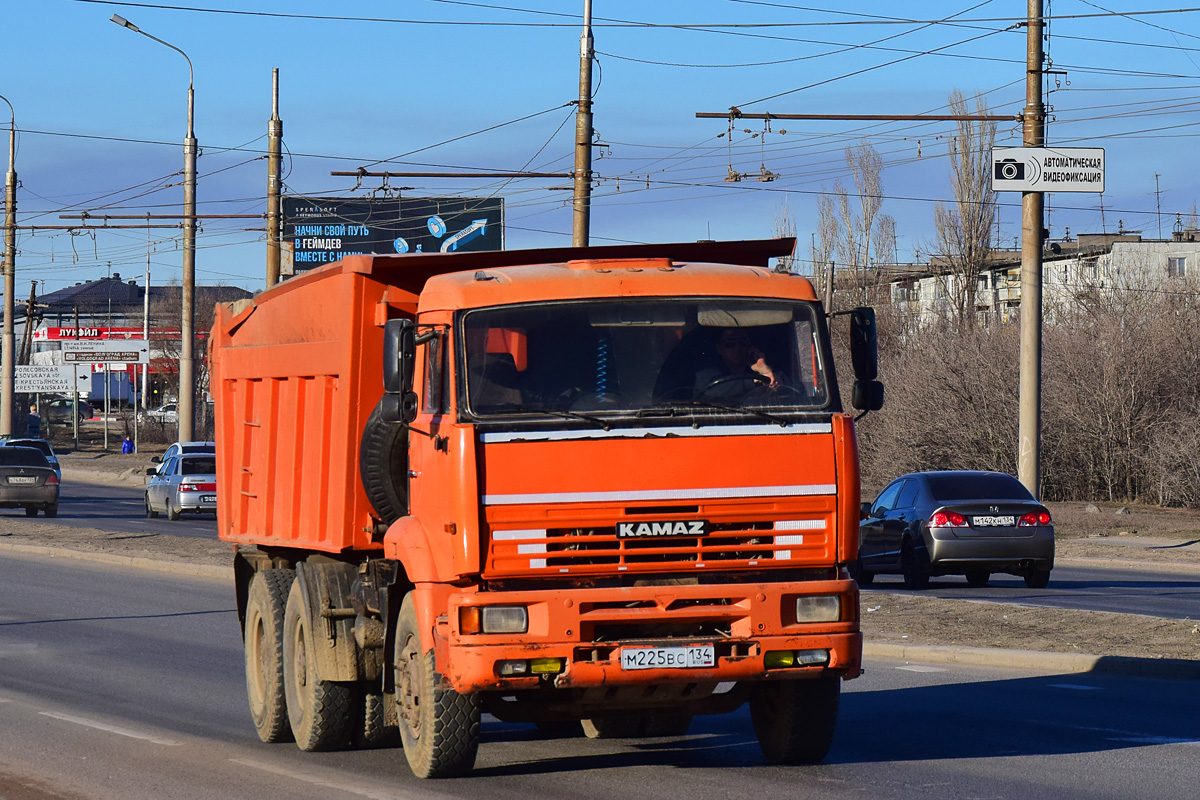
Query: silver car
x=182, y=483
x=28, y=481
x=955, y=523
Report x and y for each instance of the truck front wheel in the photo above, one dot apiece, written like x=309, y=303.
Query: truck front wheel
x=794, y=720
x=321, y=712
x=263, y=639
x=438, y=726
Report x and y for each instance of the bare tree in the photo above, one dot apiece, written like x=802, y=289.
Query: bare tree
x=963, y=232
x=851, y=228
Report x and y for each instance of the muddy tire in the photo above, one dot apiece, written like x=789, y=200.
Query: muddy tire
x=378, y=727
x=172, y=511
x=795, y=720
x=383, y=466
x=31, y=511
x=51, y=511
x=263, y=643
x=321, y=713
x=438, y=726
x=150, y=512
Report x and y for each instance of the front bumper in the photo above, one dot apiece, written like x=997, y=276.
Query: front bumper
x=743, y=622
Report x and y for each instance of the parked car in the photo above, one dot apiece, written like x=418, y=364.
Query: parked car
x=28, y=481
x=165, y=414
x=37, y=444
x=60, y=409
x=183, y=483
x=955, y=523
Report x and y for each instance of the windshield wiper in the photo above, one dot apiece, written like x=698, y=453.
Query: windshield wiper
x=668, y=407
x=556, y=413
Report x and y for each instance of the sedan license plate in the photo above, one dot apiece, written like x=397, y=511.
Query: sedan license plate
x=994, y=522
x=208, y=498
x=688, y=657
x=23, y=479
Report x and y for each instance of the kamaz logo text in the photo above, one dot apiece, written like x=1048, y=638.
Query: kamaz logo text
x=633, y=530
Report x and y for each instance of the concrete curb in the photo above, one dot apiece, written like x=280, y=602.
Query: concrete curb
x=139, y=562
x=1128, y=563
x=1177, y=669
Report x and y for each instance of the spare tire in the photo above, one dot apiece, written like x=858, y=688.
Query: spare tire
x=383, y=465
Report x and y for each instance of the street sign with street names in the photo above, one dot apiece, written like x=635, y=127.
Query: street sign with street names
x=1048, y=169
x=105, y=352
x=61, y=379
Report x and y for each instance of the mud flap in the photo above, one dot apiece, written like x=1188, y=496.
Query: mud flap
x=325, y=587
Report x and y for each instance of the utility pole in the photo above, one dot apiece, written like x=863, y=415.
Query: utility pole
x=187, y=362
x=8, y=346
x=274, y=182
x=581, y=222
x=1158, y=204
x=1032, y=224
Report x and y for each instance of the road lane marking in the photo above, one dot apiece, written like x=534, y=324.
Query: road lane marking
x=920, y=668
x=104, y=726
x=338, y=782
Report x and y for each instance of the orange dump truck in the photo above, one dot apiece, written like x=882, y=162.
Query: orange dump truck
x=612, y=486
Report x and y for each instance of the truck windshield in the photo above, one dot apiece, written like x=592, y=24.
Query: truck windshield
x=644, y=358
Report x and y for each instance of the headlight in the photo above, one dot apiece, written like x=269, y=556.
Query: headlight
x=505, y=619
x=823, y=608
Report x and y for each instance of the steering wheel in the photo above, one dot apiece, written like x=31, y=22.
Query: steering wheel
x=754, y=380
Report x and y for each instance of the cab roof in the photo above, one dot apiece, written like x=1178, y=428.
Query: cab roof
x=474, y=279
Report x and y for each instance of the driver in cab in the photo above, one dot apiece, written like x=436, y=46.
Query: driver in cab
x=740, y=369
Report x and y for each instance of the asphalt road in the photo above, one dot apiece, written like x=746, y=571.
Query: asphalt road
x=118, y=509
x=1126, y=591
x=116, y=683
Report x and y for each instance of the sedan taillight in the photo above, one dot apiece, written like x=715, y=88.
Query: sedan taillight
x=53, y=479
x=197, y=487
x=947, y=519
x=1034, y=518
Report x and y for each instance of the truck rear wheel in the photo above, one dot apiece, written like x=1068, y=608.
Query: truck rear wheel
x=438, y=726
x=794, y=720
x=321, y=712
x=263, y=637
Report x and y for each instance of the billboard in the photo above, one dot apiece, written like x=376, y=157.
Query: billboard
x=324, y=229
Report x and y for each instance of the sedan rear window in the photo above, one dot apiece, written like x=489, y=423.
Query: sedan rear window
x=198, y=466
x=949, y=488
x=36, y=444
x=22, y=457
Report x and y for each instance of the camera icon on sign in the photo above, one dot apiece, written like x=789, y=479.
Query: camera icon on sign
x=1010, y=169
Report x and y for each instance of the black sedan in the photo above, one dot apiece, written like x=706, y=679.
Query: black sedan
x=955, y=523
x=27, y=481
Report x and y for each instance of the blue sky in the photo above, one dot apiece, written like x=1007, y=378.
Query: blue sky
x=101, y=113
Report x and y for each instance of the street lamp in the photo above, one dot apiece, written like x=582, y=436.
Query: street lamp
x=187, y=364
x=8, y=345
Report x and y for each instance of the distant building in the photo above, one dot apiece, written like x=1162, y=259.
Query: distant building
x=112, y=308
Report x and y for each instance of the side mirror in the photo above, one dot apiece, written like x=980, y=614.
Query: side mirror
x=868, y=395
x=864, y=344
x=864, y=510
x=399, y=360
x=151, y=471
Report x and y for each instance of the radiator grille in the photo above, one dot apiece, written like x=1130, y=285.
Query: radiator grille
x=592, y=550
